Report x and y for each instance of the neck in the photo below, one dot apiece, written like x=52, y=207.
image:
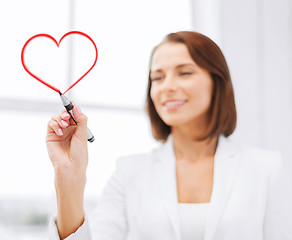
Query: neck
x=187, y=148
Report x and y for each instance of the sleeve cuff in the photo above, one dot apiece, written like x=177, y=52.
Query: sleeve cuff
x=82, y=233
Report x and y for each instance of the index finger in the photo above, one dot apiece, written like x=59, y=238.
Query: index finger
x=64, y=114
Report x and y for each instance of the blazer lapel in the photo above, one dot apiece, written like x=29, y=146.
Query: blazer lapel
x=226, y=162
x=225, y=167
x=165, y=169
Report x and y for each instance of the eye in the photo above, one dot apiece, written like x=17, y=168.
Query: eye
x=155, y=78
x=185, y=73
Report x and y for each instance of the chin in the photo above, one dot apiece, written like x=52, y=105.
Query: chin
x=174, y=122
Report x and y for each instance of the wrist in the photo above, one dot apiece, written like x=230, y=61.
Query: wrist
x=70, y=187
x=69, y=176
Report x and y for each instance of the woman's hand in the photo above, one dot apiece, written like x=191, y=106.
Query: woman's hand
x=67, y=143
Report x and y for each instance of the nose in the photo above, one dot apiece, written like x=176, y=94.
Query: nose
x=169, y=83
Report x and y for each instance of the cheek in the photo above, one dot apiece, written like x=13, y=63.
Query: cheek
x=207, y=98
x=154, y=95
x=201, y=93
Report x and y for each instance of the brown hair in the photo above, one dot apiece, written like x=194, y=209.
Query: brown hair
x=222, y=111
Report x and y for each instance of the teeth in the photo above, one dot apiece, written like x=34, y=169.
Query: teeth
x=173, y=103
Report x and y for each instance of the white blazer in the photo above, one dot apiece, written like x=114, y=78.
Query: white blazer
x=140, y=201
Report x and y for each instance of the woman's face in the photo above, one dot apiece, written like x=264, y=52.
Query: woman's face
x=181, y=91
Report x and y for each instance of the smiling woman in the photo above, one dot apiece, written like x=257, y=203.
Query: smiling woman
x=196, y=183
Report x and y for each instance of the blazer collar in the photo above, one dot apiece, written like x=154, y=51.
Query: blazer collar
x=225, y=167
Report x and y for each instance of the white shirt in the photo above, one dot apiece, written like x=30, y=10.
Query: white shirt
x=192, y=220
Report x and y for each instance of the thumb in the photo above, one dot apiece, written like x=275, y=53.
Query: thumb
x=81, y=120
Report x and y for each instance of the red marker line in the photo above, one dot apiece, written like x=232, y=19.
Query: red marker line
x=96, y=54
x=58, y=44
x=25, y=67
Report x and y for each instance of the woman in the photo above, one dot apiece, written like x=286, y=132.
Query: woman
x=197, y=185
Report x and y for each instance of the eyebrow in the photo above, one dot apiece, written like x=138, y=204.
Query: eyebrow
x=178, y=66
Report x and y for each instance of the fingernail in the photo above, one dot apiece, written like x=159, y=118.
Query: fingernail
x=65, y=114
x=78, y=109
x=64, y=123
x=60, y=132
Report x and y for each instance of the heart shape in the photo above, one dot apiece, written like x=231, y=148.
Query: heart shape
x=58, y=44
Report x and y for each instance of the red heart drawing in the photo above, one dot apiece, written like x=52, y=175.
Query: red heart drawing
x=58, y=44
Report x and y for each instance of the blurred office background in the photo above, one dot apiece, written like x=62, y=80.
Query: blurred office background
x=254, y=35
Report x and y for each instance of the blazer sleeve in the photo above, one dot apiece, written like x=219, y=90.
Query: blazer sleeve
x=278, y=223
x=108, y=221
x=82, y=233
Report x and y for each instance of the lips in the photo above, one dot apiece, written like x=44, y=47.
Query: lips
x=174, y=102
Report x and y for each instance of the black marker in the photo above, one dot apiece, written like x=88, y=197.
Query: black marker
x=69, y=107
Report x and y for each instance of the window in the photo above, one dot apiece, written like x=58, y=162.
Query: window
x=112, y=95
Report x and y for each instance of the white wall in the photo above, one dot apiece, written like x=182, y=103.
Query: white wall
x=256, y=39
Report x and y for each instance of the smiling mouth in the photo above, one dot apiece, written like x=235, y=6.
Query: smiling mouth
x=174, y=104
